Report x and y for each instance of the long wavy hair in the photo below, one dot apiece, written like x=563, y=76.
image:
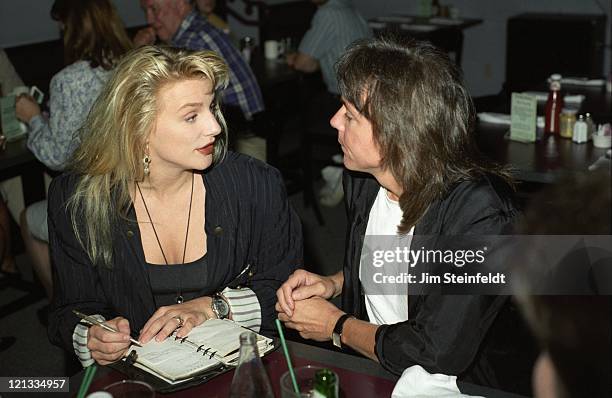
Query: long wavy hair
x=113, y=137
x=422, y=118
x=92, y=31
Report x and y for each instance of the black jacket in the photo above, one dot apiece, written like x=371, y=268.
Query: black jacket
x=248, y=221
x=444, y=333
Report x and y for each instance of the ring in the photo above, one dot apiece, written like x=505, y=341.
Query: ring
x=179, y=321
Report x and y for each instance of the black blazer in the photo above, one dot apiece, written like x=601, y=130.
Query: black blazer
x=248, y=221
x=444, y=333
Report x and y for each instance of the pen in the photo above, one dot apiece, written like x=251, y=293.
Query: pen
x=93, y=321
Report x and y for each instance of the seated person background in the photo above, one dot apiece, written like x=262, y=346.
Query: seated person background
x=9, y=79
x=574, y=331
x=156, y=221
x=207, y=9
x=175, y=22
x=94, y=40
x=335, y=25
x=406, y=131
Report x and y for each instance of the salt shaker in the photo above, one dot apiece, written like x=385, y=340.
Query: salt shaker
x=590, y=124
x=581, y=131
x=246, y=47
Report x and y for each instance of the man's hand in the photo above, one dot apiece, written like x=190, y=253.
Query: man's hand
x=302, y=62
x=314, y=318
x=183, y=316
x=26, y=108
x=290, y=58
x=145, y=36
x=302, y=285
x=108, y=347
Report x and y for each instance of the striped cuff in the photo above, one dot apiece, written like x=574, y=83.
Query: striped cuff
x=79, y=342
x=245, y=307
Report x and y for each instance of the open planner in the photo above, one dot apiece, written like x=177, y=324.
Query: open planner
x=215, y=343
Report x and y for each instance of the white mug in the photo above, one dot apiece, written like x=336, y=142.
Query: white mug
x=272, y=49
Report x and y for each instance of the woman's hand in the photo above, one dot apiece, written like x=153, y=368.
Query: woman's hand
x=108, y=347
x=302, y=285
x=26, y=108
x=184, y=316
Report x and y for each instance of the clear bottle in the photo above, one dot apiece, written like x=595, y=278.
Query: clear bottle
x=590, y=124
x=325, y=384
x=554, y=104
x=250, y=378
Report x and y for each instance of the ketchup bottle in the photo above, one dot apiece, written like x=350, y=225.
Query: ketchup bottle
x=554, y=104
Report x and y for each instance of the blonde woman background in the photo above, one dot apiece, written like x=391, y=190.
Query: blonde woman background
x=156, y=225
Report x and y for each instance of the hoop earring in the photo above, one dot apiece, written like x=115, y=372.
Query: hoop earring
x=146, y=161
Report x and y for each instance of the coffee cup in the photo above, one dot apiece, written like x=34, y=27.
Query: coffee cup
x=272, y=49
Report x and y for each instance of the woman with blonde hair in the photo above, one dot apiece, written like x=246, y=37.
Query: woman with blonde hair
x=157, y=227
x=94, y=41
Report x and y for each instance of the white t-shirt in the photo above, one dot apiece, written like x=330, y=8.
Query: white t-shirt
x=384, y=218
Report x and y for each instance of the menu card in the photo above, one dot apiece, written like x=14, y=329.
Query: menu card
x=523, y=115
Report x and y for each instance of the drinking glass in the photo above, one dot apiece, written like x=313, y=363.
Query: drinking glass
x=131, y=389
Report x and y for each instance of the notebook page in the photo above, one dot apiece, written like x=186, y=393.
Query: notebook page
x=223, y=336
x=172, y=360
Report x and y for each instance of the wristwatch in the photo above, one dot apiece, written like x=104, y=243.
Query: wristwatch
x=337, y=334
x=220, y=306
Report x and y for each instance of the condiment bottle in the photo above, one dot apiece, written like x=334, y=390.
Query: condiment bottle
x=581, y=131
x=590, y=124
x=554, y=104
x=566, y=123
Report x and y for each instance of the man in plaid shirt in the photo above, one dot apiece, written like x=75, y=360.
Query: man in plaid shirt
x=175, y=22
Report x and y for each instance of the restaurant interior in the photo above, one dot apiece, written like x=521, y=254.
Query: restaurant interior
x=502, y=48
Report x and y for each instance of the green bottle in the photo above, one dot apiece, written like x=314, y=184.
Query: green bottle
x=326, y=384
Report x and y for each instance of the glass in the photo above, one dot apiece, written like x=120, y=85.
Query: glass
x=305, y=377
x=131, y=389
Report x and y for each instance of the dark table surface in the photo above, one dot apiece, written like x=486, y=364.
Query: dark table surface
x=544, y=161
x=359, y=377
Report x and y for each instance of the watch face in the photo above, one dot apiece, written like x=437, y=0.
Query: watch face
x=336, y=340
x=221, y=307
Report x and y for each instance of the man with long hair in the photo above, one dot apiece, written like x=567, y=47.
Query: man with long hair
x=406, y=129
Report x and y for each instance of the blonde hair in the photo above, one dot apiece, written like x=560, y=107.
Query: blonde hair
x=113, y=137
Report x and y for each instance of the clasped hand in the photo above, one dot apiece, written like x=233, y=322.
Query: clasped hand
x=107, y=347
x=302, y=305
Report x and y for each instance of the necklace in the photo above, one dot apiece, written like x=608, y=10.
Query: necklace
x=179, y=296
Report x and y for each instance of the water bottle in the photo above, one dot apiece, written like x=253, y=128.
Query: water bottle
x=250, y=378
x=554, y=104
